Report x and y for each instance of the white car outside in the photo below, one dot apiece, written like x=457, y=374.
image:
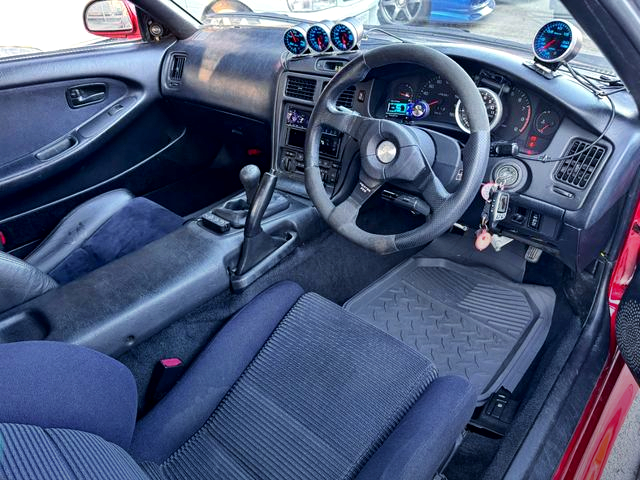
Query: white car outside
x=310, y=10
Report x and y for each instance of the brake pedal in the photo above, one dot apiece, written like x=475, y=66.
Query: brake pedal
x=533, y=254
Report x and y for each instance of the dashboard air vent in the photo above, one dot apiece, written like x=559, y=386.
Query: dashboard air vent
x=176, y=69
x=302, y=88
x=346, y=98
x=578, y=170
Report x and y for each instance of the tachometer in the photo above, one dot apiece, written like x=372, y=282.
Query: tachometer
x=491, y=102
x=557, y=41
x=318, y=37
x=295, y=41
x=439, y=96
x=516, y=115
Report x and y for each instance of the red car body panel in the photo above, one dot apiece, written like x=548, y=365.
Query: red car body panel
x=611, y=399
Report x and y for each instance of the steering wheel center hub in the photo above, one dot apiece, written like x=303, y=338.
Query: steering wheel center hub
x=386, y=151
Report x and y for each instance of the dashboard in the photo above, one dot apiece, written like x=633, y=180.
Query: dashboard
x=565, y=206
x=516, y=114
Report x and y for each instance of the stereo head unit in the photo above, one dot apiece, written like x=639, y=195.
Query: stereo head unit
x=297, y=122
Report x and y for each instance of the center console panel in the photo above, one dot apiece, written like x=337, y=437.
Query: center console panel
x=299, y=89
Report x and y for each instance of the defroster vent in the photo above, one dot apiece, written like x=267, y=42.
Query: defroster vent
x=578, y=170
x=302, y=88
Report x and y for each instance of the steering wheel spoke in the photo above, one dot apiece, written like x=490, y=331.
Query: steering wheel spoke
x=435, y=193
x=345, y=120
x=347, y=211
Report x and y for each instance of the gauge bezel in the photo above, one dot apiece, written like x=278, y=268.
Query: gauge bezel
x=327, y=30
x=357, y=34
x=572, y=50
x=300, y=29
x=496, y=120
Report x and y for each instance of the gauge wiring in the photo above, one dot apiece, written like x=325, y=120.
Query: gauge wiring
x=599, y=93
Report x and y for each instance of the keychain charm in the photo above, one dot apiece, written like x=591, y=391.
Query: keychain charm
x=483, y=239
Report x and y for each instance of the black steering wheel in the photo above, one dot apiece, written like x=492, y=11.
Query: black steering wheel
x=392, y=152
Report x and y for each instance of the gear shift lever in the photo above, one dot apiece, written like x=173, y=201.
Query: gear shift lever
x=250, y=178
x=257, y=243
x=236, y=210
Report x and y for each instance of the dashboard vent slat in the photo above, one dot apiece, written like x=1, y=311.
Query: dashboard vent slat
x=578, y=170
x=302, y=88
x=346, y=98
x=176, y=69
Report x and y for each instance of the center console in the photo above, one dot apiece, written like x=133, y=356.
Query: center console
x=298, y=93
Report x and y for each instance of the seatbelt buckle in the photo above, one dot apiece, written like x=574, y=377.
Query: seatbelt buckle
x=166, y=374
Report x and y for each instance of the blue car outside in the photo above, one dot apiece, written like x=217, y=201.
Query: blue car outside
x=460, y=11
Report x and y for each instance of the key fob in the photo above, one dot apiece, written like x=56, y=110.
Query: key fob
x=499, y=208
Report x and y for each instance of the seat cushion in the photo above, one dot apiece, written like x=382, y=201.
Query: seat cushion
x=136, y=224
x=76, y=227
x=183, y=411
x=30, y=452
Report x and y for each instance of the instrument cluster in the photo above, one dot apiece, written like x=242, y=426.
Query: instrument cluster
x=323, y=37
x=515, y=114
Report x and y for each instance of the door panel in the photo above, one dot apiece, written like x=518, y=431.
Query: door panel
x=36, y=115
x=53, y=157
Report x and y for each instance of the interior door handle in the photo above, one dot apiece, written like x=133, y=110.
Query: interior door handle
x=83, y=95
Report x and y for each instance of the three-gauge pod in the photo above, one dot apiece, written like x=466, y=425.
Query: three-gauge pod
x=323, y=37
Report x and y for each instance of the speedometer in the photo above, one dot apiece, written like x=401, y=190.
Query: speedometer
x=516, y=115
x=491, y=102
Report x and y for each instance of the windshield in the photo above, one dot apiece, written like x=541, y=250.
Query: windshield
x=514, y=21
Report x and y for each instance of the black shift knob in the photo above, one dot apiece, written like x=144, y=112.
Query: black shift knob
x=250, y=178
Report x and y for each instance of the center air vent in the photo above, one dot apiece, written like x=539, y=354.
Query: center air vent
x=302, y=88
x=346, y=98
x=176, y=69
x=578, y=170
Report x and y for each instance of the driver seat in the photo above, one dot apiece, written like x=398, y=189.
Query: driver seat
x=292, y=387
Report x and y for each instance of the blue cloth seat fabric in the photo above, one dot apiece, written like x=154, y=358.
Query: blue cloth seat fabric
x=293, y=387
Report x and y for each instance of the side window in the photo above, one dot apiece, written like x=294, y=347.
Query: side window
x=35, y=26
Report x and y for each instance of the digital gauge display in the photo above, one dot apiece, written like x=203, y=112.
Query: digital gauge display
x=557, y=41
x=318, y=37
x=295, y=41
x=343, y=37
x=407, y=110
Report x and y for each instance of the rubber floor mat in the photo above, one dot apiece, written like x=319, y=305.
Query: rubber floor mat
x=469, y=321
